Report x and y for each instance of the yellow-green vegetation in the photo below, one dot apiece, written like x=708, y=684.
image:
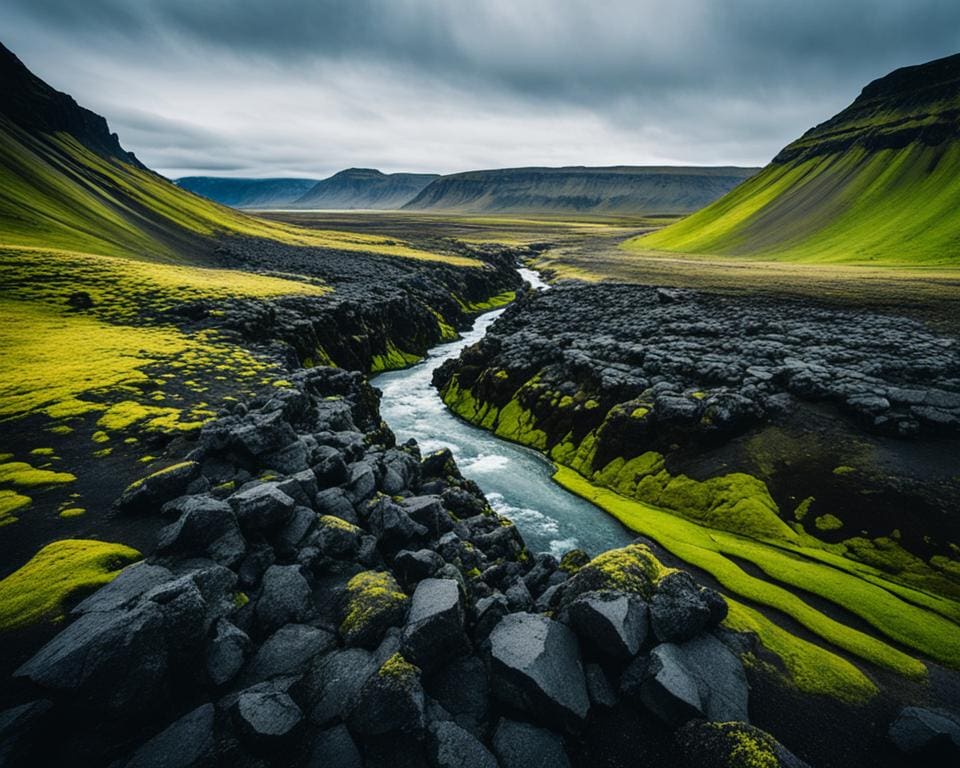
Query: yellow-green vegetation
x=512, y=422
x=494, y=302
x=892, y=609
x=809, y=667
x=828, y=522
x=57, y=193
x=160, y=474
x=332, y=521
x=11, y=502
x=399, y=670
x=393, y=359
x=738, y=745
x=633, y=568
x=61, y=571
x=370, y=594
x=72, y=512
x=832, y=198
x=21, y=475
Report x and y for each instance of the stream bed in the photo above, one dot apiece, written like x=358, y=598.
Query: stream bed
x=516, y=480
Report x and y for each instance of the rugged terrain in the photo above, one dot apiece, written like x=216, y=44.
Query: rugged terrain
x=634, y=190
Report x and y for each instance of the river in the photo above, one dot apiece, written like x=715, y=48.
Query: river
x=516, y=480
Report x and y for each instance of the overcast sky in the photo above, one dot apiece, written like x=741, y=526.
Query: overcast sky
x=308, y=87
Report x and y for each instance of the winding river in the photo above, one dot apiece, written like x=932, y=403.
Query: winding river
x=515, y=479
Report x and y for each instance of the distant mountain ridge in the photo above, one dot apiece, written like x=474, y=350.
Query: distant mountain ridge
x=614, y=189
x=364, y=188
x=878, y=182
x=248, y=193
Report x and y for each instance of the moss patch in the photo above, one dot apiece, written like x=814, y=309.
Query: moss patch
x=373, y=598
x=59, y=572
x=11, y=502
x=21, y=475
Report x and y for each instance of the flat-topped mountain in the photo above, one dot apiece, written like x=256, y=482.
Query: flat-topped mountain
x=880, y=181
x=364, y=188
x=617, y=189
x=248, y=193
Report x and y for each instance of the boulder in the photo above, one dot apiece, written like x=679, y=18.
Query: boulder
x=285, y=597
x=287, y=651
x=428, y=512
x=536, y=668
x=521, y=745
x=206, y=526
x=226, y=653
x=291, y=536
x=187, y=743
x=331, y=687
x=148, y=494
x=391, y=701
x=334, y=502
x=394, y=528
x=462, y=688
x=601, y=691
x=679, y=610
x=722, y=745
x=374, y=603
x=334, y=748
x=20, y=729
x=434, y=629
x=411, y=567
x=450, y=746
x=930, y=733
x=614, y=622
x=260, y=433
x=699, y=679
x=266, y=719
x=261, y=507
x=330, y=469
x=124, y=591
x=338, y=538
x=633, y=569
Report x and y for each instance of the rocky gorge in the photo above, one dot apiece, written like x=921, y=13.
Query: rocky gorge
x=323, y=596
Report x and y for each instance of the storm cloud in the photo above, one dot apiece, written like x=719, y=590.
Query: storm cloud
x=307, y=87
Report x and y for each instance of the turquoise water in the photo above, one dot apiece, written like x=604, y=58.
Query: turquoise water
x=515, y=479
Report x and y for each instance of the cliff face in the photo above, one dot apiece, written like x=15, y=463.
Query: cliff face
x=364, y=188
x=621, y=189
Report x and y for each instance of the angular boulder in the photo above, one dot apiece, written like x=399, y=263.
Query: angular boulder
x=206, y=526
x=450, y=746
x=148, y=494
x=434, y=629
x=188, y=743
x=536, y=668
x=374, y=603
x=285, y=598
x=522, y=745
x=266, y=719
x=614, y=622
x=721, y=745
x=391, y=701
x=262, y=507
x=930, y=733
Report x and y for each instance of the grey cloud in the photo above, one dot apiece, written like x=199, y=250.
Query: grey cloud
x=695, y=81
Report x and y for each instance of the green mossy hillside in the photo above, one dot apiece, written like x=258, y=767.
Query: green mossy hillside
x=58, y=573
x=879, y=183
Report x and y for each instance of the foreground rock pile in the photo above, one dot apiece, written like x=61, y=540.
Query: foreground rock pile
x=324, y=597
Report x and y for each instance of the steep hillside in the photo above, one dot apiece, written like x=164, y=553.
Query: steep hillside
x=66, y=183
x=620, y=189
x=365, y=188
x=247, y=193
x=879, y=182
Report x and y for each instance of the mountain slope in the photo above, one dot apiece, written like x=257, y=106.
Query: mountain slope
x=618, y=189
x=247, y=193
x=66, y=183
x=365, y=188
x=879, y=182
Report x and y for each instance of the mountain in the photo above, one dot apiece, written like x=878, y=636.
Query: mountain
x=248, y=193
x=67, y=184
x=879, y=182
x=365, y=188
x=618, y=189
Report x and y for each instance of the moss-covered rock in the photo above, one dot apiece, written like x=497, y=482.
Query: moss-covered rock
x=374, y=602
x=633, y=569
x=732, y=745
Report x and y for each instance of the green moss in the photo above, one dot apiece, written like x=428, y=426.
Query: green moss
x=42, y=452
x=370, y=595
x=494, y=302
x=399, y=670
x=633, y=568
x=573, y=561
x=72, y=512
x=11, y=502
x=240, y=599
x=21, y=475
x=800, y=513
x=844, y=470
x=393, y=359
x=809, y=667
x=61, y=571
x=332, y=521
x=828, y=522
x=717, y=551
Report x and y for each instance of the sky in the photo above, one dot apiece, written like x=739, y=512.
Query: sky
x=264, y=88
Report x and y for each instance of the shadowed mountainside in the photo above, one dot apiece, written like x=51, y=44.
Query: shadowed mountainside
x=364, y=188
x=619, y=189
x=247, y=193
x=880, y=181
